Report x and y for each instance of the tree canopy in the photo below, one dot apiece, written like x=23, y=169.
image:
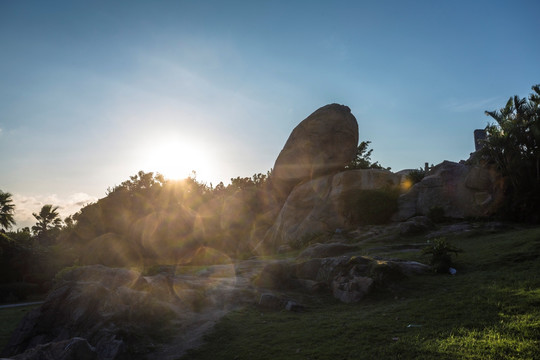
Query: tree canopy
x=48, y=219
x=7, y=210
x=513, y=145
x=362, y=159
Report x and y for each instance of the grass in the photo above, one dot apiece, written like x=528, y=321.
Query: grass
x=489, y=310
x=10, y=318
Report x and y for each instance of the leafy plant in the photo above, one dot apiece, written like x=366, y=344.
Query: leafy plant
x=362, y=159
x=513, y=145
x=416, y=175
x=7, y=210
x=440, y=251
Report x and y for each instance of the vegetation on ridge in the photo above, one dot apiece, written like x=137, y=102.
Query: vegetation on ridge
x=513, y=145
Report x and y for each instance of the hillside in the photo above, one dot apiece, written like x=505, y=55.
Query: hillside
x=488, y=310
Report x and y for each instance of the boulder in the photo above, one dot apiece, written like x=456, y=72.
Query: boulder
x=321, y=144
x=327, y=250
x=71, y=349
x=349, y=289
x=416, y=225
x=100, y=305
x=459, y=190
x=318, y=206
x=271, y=301
x=347, y=278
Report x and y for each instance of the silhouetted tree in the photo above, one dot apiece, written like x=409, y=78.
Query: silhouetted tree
x=362, y=160
x=48, y=221
x=7, y=209
x=513, y=144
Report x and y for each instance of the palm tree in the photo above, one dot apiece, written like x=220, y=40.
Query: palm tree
x=48, y=219
x=513, y=143
x=7, y=208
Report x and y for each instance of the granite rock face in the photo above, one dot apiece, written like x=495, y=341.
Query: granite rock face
x=459, y=190
x=103, y=313
x=318, y=206
x=321, y=144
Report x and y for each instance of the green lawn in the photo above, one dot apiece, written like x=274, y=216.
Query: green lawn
x=489, y=310
x=9, y=319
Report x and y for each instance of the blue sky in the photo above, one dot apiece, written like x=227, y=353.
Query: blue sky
x=93, y=91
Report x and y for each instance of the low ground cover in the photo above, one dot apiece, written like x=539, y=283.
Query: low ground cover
x=9, y=319
x=488, y=310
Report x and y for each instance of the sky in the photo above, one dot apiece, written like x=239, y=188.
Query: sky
x=91, y=92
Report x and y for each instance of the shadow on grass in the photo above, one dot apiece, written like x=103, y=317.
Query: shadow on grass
x=490, y=310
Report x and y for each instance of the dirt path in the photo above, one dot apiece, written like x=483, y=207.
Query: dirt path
x=20, y=304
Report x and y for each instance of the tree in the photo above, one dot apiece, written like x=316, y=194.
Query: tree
x=513, y=144
x=362, y=160
x=7, y=208
x=48, y=221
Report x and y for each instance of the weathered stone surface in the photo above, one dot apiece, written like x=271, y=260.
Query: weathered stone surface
x=460, y=190
x=278, y=275
x=349, y=289
x=72, y=349
x=348, y=278
x=326, y=250
x=317, y=206
x=321, y=144
x=271, y=301
x=125, y=315
x=416, y=225
x=95, y=303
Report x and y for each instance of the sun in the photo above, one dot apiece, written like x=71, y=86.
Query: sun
x=176, y=158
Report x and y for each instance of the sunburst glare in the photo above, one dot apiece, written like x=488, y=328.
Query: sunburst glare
x=176, y=158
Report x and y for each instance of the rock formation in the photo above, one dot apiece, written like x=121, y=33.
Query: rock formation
x=348, y=278
x=107, y=313
x=318, y=205
x=459, y=190
x=321, y=144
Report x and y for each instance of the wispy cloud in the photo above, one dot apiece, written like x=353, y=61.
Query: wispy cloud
x=25, y=205
x=473, y=104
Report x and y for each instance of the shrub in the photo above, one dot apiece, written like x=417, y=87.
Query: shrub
x=440, y=251
x=415, y=176
x=371, y=207
x=513, y=145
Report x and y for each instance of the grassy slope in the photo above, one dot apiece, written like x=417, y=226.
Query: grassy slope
x=9, y=319
x=489, y=310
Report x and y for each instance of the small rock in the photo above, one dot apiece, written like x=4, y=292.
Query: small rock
x=270, y=301
x=294, y=306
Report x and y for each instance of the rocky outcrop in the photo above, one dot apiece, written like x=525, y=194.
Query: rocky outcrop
x=459, y=190
x=318, y=206
x=348, y=278
x=321, y=144
x=96, y=312
x=72, y=349
x=119, y=314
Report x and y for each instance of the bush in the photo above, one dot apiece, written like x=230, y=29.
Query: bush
x=371, y=207
x=440, y=251
x=415, y=176
x=513, y=145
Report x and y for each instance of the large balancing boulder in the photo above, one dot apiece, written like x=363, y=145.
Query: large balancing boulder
x=323, y=143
